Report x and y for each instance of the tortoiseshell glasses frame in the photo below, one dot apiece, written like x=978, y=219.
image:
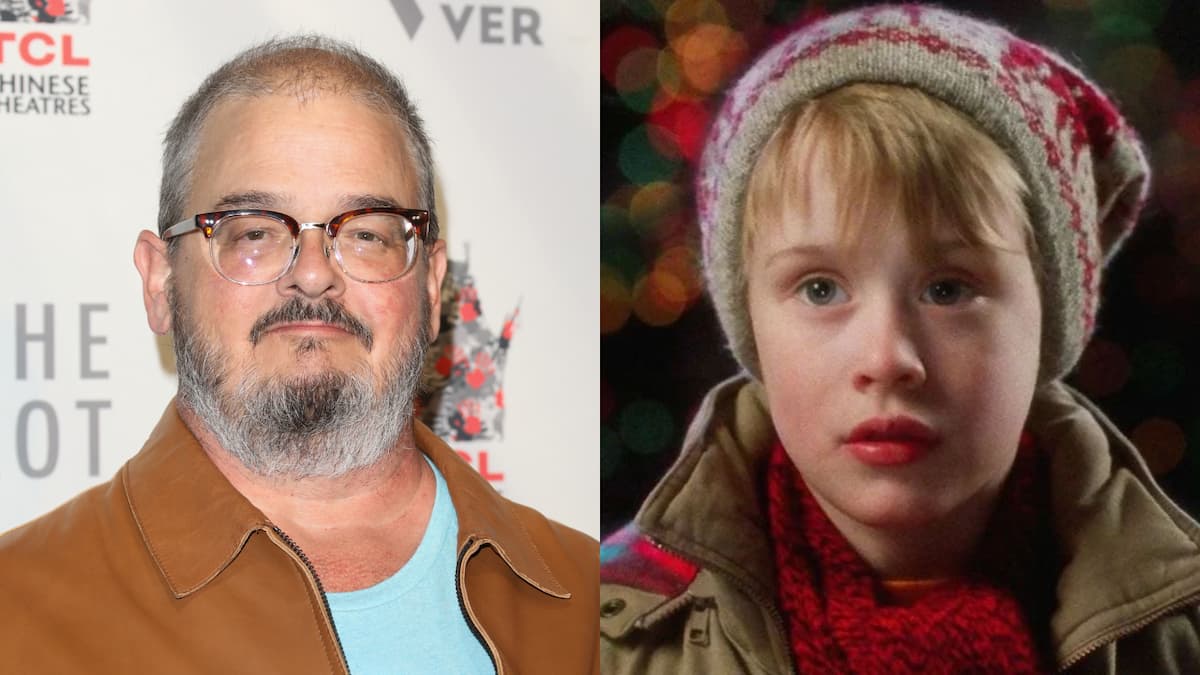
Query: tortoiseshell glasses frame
x=251, y=247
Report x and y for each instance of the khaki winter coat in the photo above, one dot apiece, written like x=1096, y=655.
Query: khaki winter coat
x=1128, y=594
x=168, y=569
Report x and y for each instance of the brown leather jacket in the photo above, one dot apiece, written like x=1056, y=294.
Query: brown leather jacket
x=168, y=569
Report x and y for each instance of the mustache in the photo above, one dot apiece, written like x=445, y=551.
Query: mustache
x=326, y=311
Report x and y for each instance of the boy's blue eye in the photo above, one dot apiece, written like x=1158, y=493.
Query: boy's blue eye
x=822, y=291
x=947, y=292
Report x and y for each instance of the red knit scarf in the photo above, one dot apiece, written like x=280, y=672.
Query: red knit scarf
x=994, y=620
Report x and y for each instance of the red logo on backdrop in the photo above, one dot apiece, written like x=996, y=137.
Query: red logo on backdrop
x=45, y=11
x=464, y=373
x=40, y=49
x=41, y=71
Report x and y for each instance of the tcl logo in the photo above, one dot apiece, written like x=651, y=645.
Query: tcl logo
x=40, y=49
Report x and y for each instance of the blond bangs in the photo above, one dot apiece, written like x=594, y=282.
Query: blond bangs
x=893, y=152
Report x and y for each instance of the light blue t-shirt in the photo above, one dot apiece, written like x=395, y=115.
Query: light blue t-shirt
x=411, y=622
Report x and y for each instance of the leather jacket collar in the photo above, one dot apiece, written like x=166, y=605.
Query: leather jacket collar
x=194, y=523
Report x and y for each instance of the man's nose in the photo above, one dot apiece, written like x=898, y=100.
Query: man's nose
x=315, y=271
x=891, y=354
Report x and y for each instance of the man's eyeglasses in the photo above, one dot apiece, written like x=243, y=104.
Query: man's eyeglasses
x=253, y=246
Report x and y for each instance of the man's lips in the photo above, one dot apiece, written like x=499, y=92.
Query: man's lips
x=308, y=327
x=891, y=441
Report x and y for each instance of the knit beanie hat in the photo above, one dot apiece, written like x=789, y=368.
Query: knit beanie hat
x=1083, y=164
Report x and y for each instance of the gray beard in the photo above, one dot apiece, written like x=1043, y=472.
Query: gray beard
x=321, y=425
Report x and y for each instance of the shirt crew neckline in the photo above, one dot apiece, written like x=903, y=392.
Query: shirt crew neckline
x=442, y=524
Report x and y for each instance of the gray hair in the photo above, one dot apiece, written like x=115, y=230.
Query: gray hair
x=302, y=66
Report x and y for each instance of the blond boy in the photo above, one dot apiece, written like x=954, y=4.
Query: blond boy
x=904, y=214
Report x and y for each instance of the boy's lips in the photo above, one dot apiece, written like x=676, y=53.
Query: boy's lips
x=891, y=441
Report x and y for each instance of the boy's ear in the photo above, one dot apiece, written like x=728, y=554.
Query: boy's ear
x=150, y=258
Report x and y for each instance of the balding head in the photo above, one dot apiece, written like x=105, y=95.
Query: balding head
x=303, y=67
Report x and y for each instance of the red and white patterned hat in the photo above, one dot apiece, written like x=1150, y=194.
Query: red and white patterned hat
x=1084, y=166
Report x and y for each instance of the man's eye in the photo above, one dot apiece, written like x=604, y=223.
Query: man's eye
x=822, y=291
x=947, y=292
x=365, y=236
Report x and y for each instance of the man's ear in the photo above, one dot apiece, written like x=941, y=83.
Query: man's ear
x=150, y=258
x=435, y=272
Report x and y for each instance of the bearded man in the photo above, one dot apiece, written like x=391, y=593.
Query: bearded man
x=288, y=514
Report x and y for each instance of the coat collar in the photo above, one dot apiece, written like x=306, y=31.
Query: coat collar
x=707, y=506
x=485, y=518
x=1128, y=552
x=194, y=523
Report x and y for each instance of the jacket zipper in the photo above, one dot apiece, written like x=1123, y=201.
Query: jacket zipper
x=1125, y=630
x=320, y=591
x=459, y=581
x=769, y=604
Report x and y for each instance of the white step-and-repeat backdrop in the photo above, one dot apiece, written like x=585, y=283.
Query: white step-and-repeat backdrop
x=507, y=89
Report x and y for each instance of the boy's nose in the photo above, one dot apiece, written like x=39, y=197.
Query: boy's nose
x=890, y=356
